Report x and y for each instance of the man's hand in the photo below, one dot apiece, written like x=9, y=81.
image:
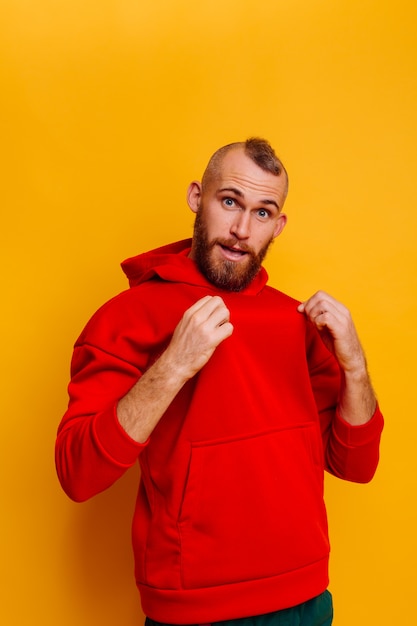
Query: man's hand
x=357, y=400
x=336, y=327
x=202, y=328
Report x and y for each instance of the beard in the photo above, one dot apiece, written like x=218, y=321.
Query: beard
x=225, y=274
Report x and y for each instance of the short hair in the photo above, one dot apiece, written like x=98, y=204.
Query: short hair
x=257, y=149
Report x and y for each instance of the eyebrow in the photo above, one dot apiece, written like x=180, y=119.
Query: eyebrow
x=240, y=194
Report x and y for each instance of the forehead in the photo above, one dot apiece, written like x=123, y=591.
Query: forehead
x=239, y=171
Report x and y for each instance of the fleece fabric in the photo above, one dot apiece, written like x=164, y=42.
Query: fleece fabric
x=230, y=519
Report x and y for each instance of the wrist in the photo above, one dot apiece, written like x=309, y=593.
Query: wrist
x=356, y=370
x=172, y=369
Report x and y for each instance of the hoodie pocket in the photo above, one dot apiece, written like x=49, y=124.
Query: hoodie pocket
x=252, y=508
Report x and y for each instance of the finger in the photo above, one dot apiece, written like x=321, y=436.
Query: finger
x=215, y=302
x=325, y=310
x=207, y=305
x=320, y=304
x=201, y=310
x=219, y=314
x=322, y=319
x=205, y=317
x=200, y=304
x=224, y=330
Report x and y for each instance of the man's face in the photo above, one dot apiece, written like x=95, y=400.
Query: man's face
x=238, y=216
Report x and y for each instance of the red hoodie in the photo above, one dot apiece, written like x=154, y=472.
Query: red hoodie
x=230, y=520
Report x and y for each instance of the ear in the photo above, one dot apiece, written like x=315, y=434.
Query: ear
x=279, y=226
x=194, y=196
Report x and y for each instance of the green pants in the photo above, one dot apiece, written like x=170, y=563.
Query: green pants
x=315, y=612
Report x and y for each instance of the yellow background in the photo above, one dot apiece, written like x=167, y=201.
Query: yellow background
x=108, y=109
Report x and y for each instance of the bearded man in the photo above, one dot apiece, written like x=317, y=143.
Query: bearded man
x=234, y=398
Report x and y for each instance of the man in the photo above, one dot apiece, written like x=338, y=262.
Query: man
x=234, y=398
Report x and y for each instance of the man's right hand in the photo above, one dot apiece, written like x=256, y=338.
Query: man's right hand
x=202, y=328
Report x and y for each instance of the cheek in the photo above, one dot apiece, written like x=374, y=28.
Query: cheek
x=263, y=237
x=214, y=218
x=218, y=223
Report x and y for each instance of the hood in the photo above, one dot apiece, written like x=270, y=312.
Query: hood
x=172, y=263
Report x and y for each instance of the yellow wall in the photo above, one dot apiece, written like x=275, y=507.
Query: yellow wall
x=107, y=110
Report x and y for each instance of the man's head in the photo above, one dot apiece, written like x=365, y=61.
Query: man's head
x=238, y=208
x=259, y=150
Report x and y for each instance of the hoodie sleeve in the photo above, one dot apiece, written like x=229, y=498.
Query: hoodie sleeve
x=350, y=452
x=92, y=449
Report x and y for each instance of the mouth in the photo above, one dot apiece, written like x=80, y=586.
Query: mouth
x=232, y=253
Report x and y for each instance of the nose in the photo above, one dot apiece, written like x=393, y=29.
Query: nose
x=240, y=228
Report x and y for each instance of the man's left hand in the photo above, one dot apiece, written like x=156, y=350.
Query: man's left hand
x=336, y=327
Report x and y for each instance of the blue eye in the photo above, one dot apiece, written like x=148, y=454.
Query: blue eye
x=263, y=213
x=229, y=202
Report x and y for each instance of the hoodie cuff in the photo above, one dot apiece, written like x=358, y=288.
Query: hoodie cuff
x=114, y=440
x=358, y=435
